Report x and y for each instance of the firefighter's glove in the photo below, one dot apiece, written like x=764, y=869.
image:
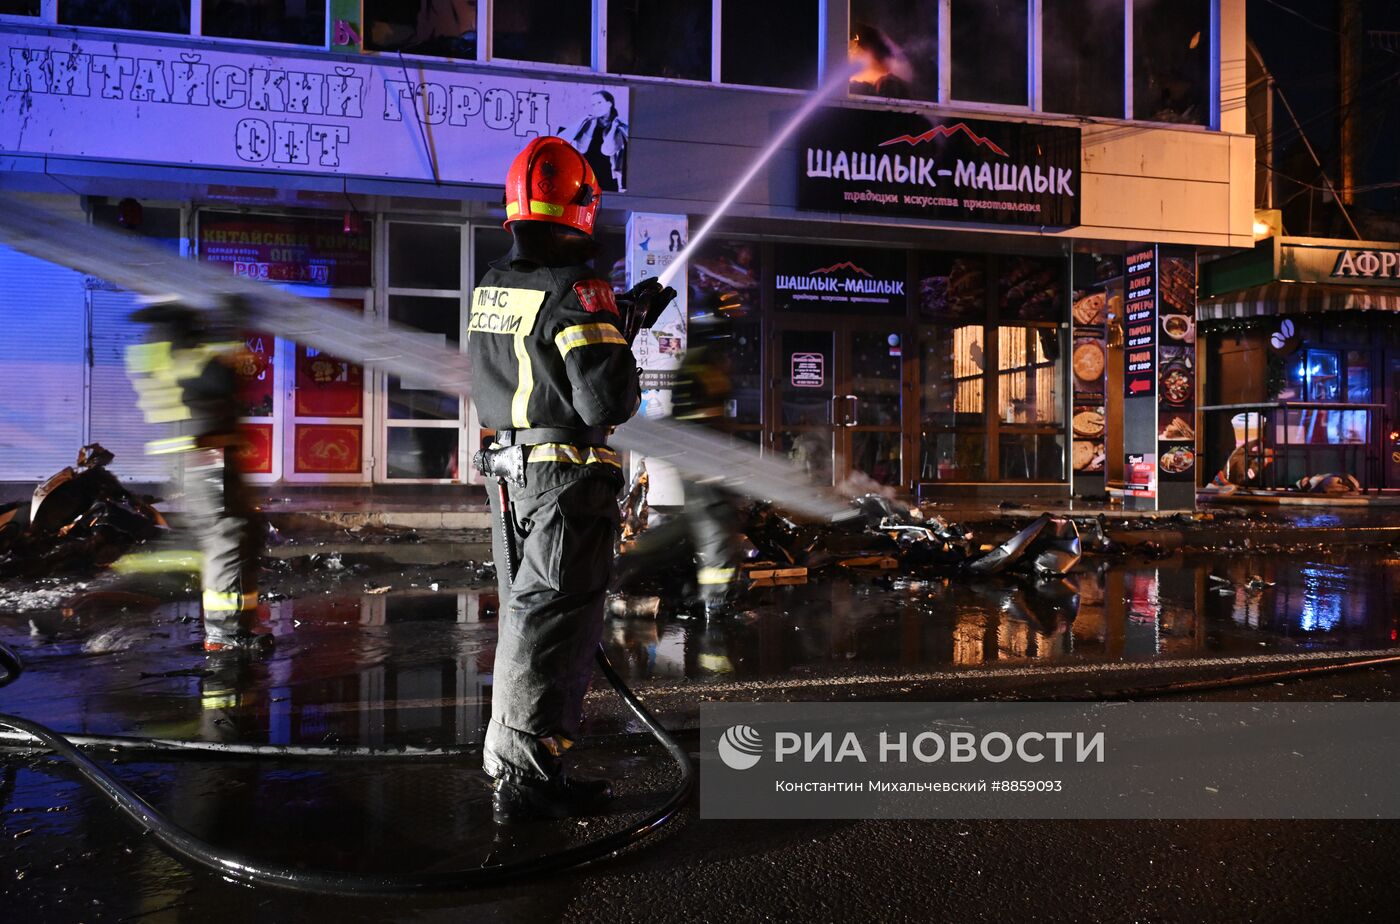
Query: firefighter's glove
x=642, y=305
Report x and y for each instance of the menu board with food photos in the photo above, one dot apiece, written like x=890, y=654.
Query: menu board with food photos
x=1176, y=364
x=952, y=287
x=1139, y=322
x=1100, y=296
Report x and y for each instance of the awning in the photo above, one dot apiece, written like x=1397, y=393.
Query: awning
x=1296, y=298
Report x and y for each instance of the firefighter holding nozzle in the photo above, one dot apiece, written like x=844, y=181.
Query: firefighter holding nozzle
x=553, y=371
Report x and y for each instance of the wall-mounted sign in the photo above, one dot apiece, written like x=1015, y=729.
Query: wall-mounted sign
x=808, y=370
x=146, y=103
x=286, y=249
x=843, y=279
x=1361, y=265
x=905, y=163
x=1140, y=323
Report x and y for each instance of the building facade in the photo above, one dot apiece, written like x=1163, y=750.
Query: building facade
x=935, y=268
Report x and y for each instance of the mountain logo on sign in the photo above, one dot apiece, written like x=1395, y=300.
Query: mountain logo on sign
x=947, y=131
x=844, y=264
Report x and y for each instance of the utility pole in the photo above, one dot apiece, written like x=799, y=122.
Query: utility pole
x=1349, y=27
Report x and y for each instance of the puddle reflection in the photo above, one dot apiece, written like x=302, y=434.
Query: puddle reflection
x=415, y=667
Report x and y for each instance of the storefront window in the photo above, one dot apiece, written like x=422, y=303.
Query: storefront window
x=1323, y=376
x=147, y=16
x=1031, y=289
x=1358, y=376
x=660, y=38
x=424, y=27
x=425, y=257
x=1171, y=60
x=954, y=363
x=300, y=23
x=549, y=31
x=19, y=7
x=952, y=287
x=895, y=42
x=1031, y=457
x=731, y=272
x=425, y=275
x=422, y=452
x=439, y=318
x=990, y=44
x=1083, y=57
x=769, y=44
x=1028, y=379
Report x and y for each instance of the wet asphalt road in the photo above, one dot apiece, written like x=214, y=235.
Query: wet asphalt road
x=812, y=871
x=357, y=665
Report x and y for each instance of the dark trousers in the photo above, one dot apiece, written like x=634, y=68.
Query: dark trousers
x=564, y=523
x=707, y=527
x=229, y=538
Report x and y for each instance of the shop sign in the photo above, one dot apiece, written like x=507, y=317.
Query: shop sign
x=950, y=169
x=316, y=251
x=840, y=279
x=336, y=116
x=1140, y=323
x=1373, y=266
x=808, y=370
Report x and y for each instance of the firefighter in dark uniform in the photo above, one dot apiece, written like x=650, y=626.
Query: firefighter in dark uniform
x=708, y=525
x=553, y=372
x=185, y=376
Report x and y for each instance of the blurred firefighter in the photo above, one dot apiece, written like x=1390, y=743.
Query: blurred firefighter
x=708, y=524
x=186, y=375
x=554, y=372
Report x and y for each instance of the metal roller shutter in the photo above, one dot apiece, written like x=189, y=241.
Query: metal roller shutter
x=114, y=419
x=42, y=332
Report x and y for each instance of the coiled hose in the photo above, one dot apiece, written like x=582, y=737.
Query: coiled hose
x=194, y=851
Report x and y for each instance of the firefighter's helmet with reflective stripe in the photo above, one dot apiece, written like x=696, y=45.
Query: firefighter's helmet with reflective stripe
x=551, y=181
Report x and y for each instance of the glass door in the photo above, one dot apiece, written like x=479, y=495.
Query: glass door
x=326, y=400
x=805, y=410
x=838, y=401
x=871, y=411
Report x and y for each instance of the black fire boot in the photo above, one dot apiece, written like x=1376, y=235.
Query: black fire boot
x=514, y=800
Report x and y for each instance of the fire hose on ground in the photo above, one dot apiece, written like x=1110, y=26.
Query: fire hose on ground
x=194, y=851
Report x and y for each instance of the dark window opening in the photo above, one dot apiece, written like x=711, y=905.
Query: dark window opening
x=990, y=51
x=446, y=28
x=772, y=44
x=660, y=38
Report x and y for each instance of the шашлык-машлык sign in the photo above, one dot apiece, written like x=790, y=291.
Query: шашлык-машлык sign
x=950, y=169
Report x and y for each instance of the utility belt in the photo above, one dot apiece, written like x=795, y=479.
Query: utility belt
x=570, y=436
x=506, y=459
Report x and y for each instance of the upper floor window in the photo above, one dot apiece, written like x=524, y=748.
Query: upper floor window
x=660, y=38
x=19, y=7
x=147, y=16
x=1082, y=42
x=548, y=31
x=769, y=44
x=1171, y=60
x=300, y=22
x=990, y=51
x=895, y=45
x=447, y=28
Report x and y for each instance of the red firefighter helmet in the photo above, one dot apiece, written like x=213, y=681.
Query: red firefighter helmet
x=551, y=181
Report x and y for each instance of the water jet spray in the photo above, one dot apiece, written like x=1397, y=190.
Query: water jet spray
x=836, y=81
